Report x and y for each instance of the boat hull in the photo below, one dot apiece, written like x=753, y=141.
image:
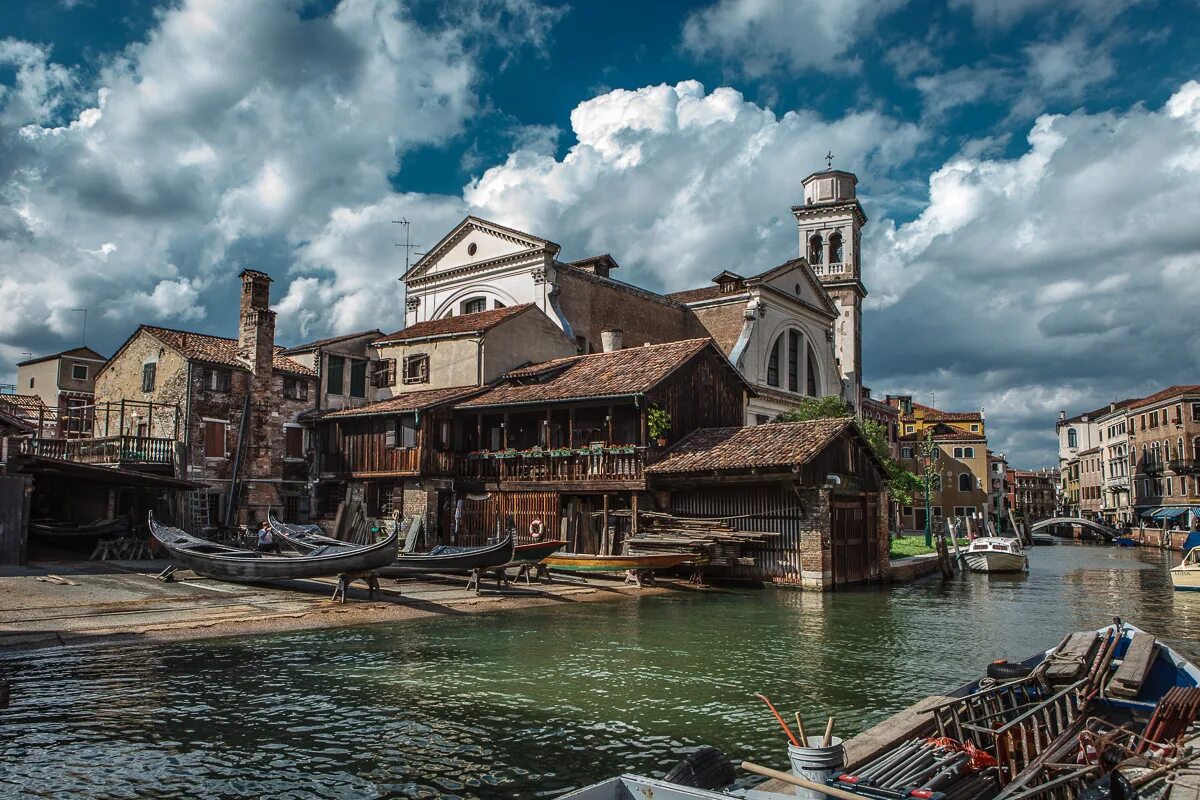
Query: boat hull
x=579, y=562
x=996, y=562
x=535, y=552
x=1186, y=580
x=453, y=560
x=302, y=538
x=213, y=560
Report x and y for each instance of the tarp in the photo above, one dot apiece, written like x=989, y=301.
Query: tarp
x=1169, y=513
x=1193, y=540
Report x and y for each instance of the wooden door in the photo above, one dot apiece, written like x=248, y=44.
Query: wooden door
x=848, y=541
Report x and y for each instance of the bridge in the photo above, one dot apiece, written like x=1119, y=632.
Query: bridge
x=1098, y=527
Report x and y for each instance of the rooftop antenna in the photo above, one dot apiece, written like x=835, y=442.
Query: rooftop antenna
x=84, y=310
x=829, y=160
x=408, y=245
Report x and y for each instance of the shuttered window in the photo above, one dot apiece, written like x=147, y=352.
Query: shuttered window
x=293, y=442
x=218, y=380
x=214, y=439
x=416, y=368
x=358, y=378
x=148, y=371
x=337, y=365
x=406, y=431
x=383, y=372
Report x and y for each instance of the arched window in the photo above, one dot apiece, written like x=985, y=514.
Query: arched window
x=793, y=361
x=1072, y=438
x=1196, y=448
x=1179, y=449
x=473, y=305
x=811, y=377
x=835, y=248
x=773, y=363
x=965, y=482
x=814, y=249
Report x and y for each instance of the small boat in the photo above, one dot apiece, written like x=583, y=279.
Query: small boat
x=993, y=554
x=449, y=559
x=55, y=529
x=535, y=552
x=302, y=538
x=1186, y=576
x=1042, y=539
x=1125, y=541
x=583, y=562
x=231, y=563
x=634, y=787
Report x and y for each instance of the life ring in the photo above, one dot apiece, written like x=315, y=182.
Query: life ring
x=535, y=528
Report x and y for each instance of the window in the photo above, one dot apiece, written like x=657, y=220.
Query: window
x=906, y=452
x=148, y=371
x=773, y=363
x=416, y=368
x=966, y=482
x=497, y=304
x=358, y=378
x=472, y=248
x=958, y=452
x=1196, y=448
x=406, y=431
x=334, y=383
x=293, y=441
x=762, y=419
x=1196, y=412
x=474, y=305
x=935, y=483
x=968, y=452
x=906, y=511
x=214, y=438
x=814, y=250
x=1072, y=438
x=811, y=370
x=1169, y=486
x=384, y=373
x=974, y=428
x=31, y=384
x=908, y=428
x=217, y=380
x=793, y=361
x=1153, y=419
x=295, y=388
x=835, y=249
x=79, y=372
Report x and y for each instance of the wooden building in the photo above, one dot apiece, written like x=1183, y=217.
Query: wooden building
x=817, y=486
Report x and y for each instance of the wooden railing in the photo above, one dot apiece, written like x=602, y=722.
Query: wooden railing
x=593, y=464
x=104, y=450
x=359, y=457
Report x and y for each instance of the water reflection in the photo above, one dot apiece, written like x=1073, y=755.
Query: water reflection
x=530, y=704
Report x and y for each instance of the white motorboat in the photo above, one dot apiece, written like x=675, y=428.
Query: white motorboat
x=993, y=554
x=1186, y=577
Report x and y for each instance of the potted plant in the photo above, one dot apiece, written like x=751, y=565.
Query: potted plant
x=658, y=423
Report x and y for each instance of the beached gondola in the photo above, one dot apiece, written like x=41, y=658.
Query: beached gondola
x=54, y=529
x=456, y=560
x=231, y=563
x=535, y=552
x=302, y=538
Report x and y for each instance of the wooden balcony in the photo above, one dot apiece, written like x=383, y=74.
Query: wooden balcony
x=592, y=467
x=103, y=450
x=364, y=458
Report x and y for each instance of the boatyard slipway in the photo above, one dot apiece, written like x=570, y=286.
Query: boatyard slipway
x=80, y=603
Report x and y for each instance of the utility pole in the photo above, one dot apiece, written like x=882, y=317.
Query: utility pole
x=409, y=247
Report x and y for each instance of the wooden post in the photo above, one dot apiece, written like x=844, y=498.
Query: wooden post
x=633, y=504
x=107, y=406
x=150, y=421
x=176, y=421
x=121, y=419
x=479, y=431
x=610, y=423
x=504, y=432
x=642, y=435
x=606, y=543
x=571, y=427
x=546, y=437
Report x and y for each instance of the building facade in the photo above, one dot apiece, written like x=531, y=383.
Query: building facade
x=1032, y=494
x=957, y=469
x=1164, y=444
x=65, y=382
x=1091, y=482
x=1117, y=492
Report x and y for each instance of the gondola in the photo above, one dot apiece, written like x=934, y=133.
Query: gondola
x=447, y=559
x=231, y=563
x=54, y=529
x=303, y=538
x=535, y=552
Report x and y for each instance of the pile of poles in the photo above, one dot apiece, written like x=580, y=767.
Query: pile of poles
x=714, y=541
x=922, y=768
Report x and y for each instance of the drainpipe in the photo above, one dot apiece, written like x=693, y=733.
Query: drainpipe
x=479, y=362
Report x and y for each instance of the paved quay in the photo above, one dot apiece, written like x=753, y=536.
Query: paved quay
x=51, y=604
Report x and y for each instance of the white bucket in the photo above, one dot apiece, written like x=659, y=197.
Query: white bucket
x=817, y=764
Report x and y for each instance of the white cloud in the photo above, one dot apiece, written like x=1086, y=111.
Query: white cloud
x=1004, y=14
x=758, y=36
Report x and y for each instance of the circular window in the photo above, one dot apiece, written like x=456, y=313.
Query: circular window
x=471, y=248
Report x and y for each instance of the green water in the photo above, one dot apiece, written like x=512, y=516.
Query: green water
x=530, y=704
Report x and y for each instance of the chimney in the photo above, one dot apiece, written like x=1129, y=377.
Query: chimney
x=611, y=340
x=256, y=337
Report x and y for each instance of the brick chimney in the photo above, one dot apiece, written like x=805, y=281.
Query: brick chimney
x=256, y=337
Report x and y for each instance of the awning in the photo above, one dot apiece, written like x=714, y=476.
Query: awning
x=1171, y=512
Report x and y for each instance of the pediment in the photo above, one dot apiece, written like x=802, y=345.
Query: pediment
x=795, y=278
x=477, y=241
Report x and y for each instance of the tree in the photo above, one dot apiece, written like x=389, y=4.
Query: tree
x=901, y=483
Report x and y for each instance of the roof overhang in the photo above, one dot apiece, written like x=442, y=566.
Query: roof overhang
x=59, y=468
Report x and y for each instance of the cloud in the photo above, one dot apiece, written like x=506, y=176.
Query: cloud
x=1070, y=265
x=1004, y=14
x=759, y=36
x=233, y=134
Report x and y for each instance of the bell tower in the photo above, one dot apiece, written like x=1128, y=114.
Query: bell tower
x=830, y=226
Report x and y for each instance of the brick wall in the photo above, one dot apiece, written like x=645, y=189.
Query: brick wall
x=592, y=305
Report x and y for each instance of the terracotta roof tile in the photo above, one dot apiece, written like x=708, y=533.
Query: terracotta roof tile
x=936, y=414
x=1165, y=394
x=702, y=293
x=776, y=444
x=218, y=349
x=944, y=433
x=406, y=403
x=24, y=406
x=463, y=323
x=623, y=372
x=310, y=346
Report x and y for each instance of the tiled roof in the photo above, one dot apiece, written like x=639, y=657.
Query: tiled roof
x=623, y=372
x=1108, y=409
x=406, y=403
x=78, y=352
x=1165, y=394
x=724, y=323
x=937, y=415
x=778, y=395
x=463, y=323
x=319, y=343
x=944, y=433
x=703, y=293
x=24, y=406
x=218, y=349
x=776, y=444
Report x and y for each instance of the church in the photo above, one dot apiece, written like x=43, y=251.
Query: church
x=792, y=329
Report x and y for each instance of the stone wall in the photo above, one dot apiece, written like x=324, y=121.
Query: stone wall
x=593, y=304
x=816, y=553
x=121, y=379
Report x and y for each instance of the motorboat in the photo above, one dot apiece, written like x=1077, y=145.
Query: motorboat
x=1186, y=576
x=224, y=562
x=994, y=554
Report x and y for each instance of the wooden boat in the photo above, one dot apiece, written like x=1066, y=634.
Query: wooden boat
x=302, y=538
x=583, y=562
x=1042, y=539
x=1125, y=541
x=231, y=563
x=535, y=552
x=449, y=559
x=993, y=554
x=1186, y=576
x=54, y=529
x=629, y=787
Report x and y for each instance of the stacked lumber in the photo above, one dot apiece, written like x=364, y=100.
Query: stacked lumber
x=714, y=542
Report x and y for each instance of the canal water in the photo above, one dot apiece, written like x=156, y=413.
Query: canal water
x=532, y=703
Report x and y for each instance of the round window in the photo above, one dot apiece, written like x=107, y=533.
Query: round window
x=471, y=248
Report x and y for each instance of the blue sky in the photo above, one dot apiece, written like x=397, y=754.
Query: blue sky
x=1028, y=167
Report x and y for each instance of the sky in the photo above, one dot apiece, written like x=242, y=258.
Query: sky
x=1030, y=169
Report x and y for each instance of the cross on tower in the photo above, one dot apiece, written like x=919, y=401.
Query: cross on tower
x=829, y=160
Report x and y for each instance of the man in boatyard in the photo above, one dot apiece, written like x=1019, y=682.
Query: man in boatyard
x=266, y=542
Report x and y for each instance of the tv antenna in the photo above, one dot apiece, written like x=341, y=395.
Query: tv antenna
x=408, y=246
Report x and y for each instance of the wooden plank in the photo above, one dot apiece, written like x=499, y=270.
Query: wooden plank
x=1072, y=659
x=1127, y=680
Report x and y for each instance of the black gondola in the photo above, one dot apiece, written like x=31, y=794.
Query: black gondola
x=231, y=563
x=303, y=538
x=453, y=559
